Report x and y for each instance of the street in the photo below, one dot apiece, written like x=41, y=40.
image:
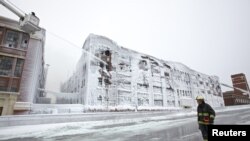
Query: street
x=155, y=128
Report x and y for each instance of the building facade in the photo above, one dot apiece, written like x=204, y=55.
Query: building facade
x=237, y=97
x=21, y=67
x=111, y=75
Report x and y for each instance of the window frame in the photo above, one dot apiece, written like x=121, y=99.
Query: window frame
x=20, y=45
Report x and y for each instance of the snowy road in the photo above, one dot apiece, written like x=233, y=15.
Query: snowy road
x=159, y=128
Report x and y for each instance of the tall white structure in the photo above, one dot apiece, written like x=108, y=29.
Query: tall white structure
x=115, y=76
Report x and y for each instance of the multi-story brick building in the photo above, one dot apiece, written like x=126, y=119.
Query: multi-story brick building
x=21, y=67
x=237, y=97
x=115, y=76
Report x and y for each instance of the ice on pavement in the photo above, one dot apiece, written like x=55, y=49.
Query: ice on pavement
x=105, y=127
x=59, y=129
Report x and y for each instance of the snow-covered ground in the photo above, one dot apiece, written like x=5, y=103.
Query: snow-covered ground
x=175, y=126
x=96, y=130
x=60, y=129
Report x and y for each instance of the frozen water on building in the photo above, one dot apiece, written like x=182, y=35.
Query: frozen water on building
x=116, y=76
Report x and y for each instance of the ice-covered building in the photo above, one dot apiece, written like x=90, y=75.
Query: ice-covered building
x=111, y=75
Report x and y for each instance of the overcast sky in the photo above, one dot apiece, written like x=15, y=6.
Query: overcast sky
x=209, y=36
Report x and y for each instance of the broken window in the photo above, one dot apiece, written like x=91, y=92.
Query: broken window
x=11, y=39
x=15, y=39
x=144, y=57
x=124, y=67
x=100, y=81
x=170, y=88
x=25, y=41
x=166, y=65
x=166, y=74
x=143, y=65
x=108, y=64
x=107, y=53
x=155, y=63
x=107, y=67
x=101, y=64
x=99, y=98
x=121, y=67
x=155, y=68
x=106, y=57
x=142, y=87
x=218, y=89
x=107, y=81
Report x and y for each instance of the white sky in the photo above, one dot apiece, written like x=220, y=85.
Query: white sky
x=209, y=36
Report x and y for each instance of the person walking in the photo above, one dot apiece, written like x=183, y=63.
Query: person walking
x=206, y=116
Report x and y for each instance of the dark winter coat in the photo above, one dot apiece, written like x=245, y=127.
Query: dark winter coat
x=206, y=114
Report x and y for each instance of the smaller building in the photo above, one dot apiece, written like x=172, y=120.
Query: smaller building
x=21, y=67
x=237, y=97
